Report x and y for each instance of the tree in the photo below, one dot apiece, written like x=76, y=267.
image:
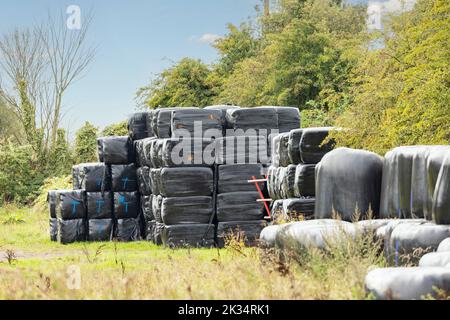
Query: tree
x=86, y=144
x=116, y=129
x=9, y=124
x=183, y=85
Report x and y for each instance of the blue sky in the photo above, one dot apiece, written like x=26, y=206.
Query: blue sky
x=135, y=39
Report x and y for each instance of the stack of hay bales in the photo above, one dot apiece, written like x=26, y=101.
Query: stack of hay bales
x=291, y=176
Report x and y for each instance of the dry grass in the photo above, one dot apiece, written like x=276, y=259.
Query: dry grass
x=44, y=270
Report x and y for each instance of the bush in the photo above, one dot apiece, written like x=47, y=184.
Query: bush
x=55, y=183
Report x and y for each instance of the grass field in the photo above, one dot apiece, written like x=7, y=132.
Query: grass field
x=33, y=267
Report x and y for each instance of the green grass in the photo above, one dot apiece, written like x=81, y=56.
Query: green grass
x=40, y=269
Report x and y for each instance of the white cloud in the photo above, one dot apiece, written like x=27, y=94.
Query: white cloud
x=206, y=38
x=377, y=9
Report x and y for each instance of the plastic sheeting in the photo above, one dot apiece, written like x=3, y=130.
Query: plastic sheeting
x=234, y=177
x=155, y=155
x=99, y=205
x=444, y=245
x=126, y=205
x=312, y=147
x=288, y=118
x=279, y=150
x=161, y=121
x=305, y=180
x=76, y=183
x=146, y=208
x=441, y=197
x=239, y=206
x=70, y=231
x=295, y=136
x=348, y=181
x=247, y=231
x=178, y=152
x=435, y=259
x=188, y=235
x=143, y=178
x=194, y=123
x=53, y=228
x=52, y=199
x=128, y=230
x=116, y=150
x=409, y=177
x=407, y=283
x=156, y=207
x=241, y=150
x=143, y=152
x=93, y=177
x=261, y=119
x=186, y=210
x=124, y=177
x=223, y=109
x=155, y=180
x=293, y=208
x=186, y=182
x=137, y=125
x=71, y=204
x=100, y=229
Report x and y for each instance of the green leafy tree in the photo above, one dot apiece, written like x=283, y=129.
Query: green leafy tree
x=116, y=129
x=86, y=143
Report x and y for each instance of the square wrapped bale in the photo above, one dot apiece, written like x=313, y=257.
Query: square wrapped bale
x=312, y=144
x=188, y=235
x=137, y=125
x=100, y=229
x=239, y=206
x=261, y=119
x=242, y=150
x=99, y=205
x=234, y=177
x=128, y=230
x=71, y=204
x=146, y=208
x=70, y=231
x=143, y=178
x=53, y=228
x=288, y=118
x=179, y=152
x=187, y=210
x=195, y=123
x=94, y=177
x=126, y=205
x=116, y=150
x=186, y=182
x=124, y=177
x=305, y=180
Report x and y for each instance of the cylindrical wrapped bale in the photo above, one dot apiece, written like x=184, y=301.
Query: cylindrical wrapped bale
x=70, y=231
x=128, y=230
x=195, y=123
x=280, y=154
x=305, y=180
x=435, y=259
x=295, y=137
x=288, y=118
x=261, y=119
x=162, y=119
x=239, y=206
x=407, y=283
x=178, y=152
x=116, y=150
x=288, y=182
x=126, y=205
x=145, y=152
x=188, y=235
x=186, y=182
x=441, y=198
x=241, y=150
x=137, y=125
x=99, y=205
x=53, y=228
x=444, y=245
x=71, y=204
x=124, y=177
x=155, y=181
x=186, y=210
x=246, y=231
x=312, y=146
x=156, y=207
x=234, y=177
x=93, y=177
x=100, y=230
x=348, y=183
x=52, y=199
x=143, y=179
x=155, y=149
x=293, y=208
x=146, y=208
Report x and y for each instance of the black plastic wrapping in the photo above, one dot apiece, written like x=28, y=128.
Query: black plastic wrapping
x=288, y=118
x=128, y=230
x=71, y=204
x=293, y=208
x=143, y=152
x=280, y=154
x=441, y=198
x=76, y=183
x=188, y=235
x=223, y=109
x=100, y=150
x=184, y=120
x=155, y=181
x=409, y=283
x=305, y=180
x=177, y=152
x=116, y=150
x=161, y=123
x=137, y=126
x=348, y=183
x=246, y=231
x=295, y=136
x=158, y=233
x=93, y=177
x=100, y=229
x=242, y=150
x=288, y=182
x=156, y=207
x=126, y=205
x=409, y=178
x=155, y=148
x=234, y=177
x=99, y=205
x=52, y=199
x=146, y=208
x=143, y=178
x=124, y=177
x=261, y=118
x=139, y=152
x=312, y=146
x=186, y=182
x=53, y=228
x=281, y=182
x=239, y=206
x=70, y=231
x=150, y=231
x=186, y=210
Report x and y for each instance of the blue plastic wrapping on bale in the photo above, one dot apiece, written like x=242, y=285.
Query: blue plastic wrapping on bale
x=116, y=150
x=126, y=205
x=186, y=210
x=71, y=204
x=348, y=183
x=93, y=177
x=186, y=182
x=124, y=177
x=99, y=205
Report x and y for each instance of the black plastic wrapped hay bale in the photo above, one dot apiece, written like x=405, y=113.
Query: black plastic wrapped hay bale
x=441, y=198
x=70, y=231
x=126, y=205
x=188, y=235
x=312, y=144
x=116, y=150
x=71, y=204
x=280, y=154
x=223, y=109
x=182, y=152
x=295, y=136
x=234, y=177
x=261, y=119
x=247, y=232
x=93, y=177
x=288, y=182
x=186, y=210
x=305, y=180
x=137, y=126
x=99, y=205
x=155, y=148
x=76, y=183
x=241, y=150
x=161, y=122
x=186, y=182
x=348, y=183
x=184, y=122
x=128, y=230
x=293, y=208
x=239, y=206
x=155, y=181
x=143, y=179
x=288, y=118
x=100, y=229
x=52, y=199
x=146, y=208
x=156, y=207
x=124, y=177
